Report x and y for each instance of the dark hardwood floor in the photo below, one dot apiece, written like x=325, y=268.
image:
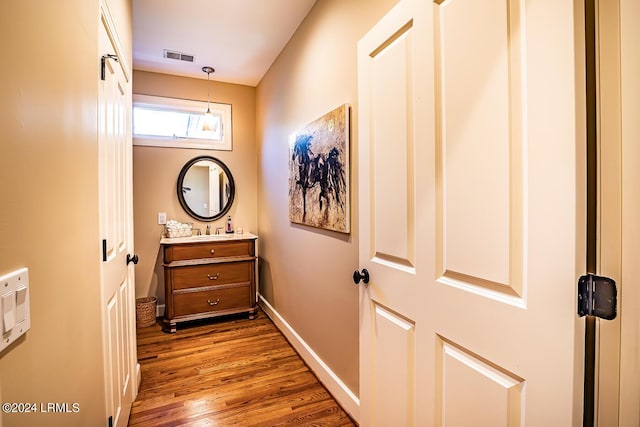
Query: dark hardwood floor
x=235, y=372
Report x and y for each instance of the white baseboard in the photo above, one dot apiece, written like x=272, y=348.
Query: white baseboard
x=138, y=377
x=159, y=310
x=345, y=397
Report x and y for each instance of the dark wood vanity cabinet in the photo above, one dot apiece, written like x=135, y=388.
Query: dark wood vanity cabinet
x=207, y=279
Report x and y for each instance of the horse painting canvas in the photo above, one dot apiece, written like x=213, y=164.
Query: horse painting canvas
x=319, y=173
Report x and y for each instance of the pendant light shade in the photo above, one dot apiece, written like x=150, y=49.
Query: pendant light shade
x=209, y=122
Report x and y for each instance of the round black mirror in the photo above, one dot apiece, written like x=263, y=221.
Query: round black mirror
x=205, y=188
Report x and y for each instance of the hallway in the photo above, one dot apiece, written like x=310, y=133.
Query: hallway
x=230, y=373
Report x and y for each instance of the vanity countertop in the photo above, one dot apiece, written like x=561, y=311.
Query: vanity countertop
x=207, y=238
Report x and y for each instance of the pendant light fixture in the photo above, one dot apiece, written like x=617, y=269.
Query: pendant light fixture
x=209, y=123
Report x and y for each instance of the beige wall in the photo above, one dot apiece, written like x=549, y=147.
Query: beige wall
x=49, y=203
x=155, y=171
x=306, y=272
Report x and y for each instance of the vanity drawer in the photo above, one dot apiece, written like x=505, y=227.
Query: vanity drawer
x=230, y=298
x=212, y=274
x=218, y=249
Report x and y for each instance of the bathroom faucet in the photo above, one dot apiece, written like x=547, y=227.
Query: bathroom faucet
x=208, y=229
x=218, y=230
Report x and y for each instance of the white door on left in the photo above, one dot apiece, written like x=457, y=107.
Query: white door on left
x=116, y=219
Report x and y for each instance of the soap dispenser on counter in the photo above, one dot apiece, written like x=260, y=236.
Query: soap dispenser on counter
x=229, y=227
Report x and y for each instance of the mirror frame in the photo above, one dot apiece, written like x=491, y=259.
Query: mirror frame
x=183, y=203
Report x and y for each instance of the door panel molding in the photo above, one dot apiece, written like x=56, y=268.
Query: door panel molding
x=393, y=367
x=393, y=220
x=481, y=147
x=468, y=383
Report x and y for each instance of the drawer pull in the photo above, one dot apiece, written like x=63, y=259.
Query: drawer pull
x=210, y=277
x=212, y=303
x=213, y=251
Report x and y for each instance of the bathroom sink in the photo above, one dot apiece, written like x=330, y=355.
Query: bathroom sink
x=206, y=238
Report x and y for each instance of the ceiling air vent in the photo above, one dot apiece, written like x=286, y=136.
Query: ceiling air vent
x=171, y=54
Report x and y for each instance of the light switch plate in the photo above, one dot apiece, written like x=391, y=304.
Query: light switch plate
x=14, y=299
x=162, y=218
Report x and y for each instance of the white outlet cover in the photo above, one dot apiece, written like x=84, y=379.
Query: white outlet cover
x=162, y=218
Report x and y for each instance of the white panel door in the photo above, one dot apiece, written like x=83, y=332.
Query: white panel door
x=116, y=219
x=472, y=206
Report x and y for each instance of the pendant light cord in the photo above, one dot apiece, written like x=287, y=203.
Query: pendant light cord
x=208, y=93
x=208, y=70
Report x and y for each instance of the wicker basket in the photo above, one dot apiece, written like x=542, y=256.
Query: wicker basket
x=146, y=311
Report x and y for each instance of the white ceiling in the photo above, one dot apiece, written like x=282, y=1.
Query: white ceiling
x=239, y=38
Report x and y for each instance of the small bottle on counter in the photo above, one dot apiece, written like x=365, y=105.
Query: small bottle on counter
x=229, y=227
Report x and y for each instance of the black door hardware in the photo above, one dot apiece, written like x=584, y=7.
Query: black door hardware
x=132, y=259
x=103, y=61
x=364, y=276
x=597, y=296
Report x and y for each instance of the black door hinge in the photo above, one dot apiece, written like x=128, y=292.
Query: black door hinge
x=104, y=250
x=104, y=58
x=110, y=421
x=597, y=296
